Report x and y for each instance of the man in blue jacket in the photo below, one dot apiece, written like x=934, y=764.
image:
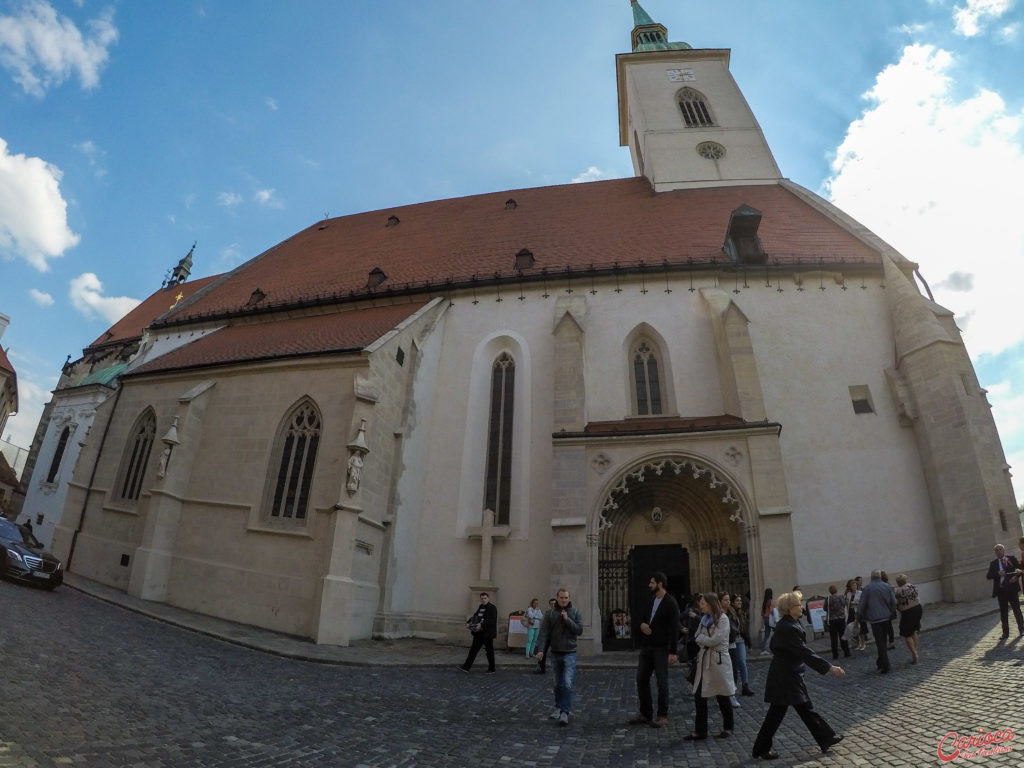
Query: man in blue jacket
x=561, y=626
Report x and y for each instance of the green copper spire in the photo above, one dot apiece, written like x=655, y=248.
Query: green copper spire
x=650, y=36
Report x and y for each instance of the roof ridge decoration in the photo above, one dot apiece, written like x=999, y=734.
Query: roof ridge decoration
x=648, y=35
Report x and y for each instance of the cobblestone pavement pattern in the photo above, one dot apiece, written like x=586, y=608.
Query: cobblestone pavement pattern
x=86, y=683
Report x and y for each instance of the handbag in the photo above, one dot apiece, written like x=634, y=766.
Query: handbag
x=691, y=673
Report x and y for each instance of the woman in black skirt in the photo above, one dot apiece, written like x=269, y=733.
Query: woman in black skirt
x=909, y=607
x=785, y=687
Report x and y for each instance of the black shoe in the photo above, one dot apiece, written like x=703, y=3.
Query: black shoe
x=769, y=755
x=746, y=691
x=694, y=737
x=835, y=740
x=491, y=671
x=884, y=670
x=461, y=668
x=723, y=734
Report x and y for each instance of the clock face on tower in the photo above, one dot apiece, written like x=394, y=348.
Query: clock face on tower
x=680, y=75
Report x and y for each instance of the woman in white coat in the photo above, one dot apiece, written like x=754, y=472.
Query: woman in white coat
x=714, y=669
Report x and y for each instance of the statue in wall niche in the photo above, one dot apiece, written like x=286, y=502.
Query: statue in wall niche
x=165, y=456
x=357, y=449
x=355, y=471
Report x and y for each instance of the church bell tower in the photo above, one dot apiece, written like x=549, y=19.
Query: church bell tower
x=683, y=117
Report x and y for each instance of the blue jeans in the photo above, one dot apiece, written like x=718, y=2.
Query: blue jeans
x=741, y=661
x=564, y=667
x=767, y=634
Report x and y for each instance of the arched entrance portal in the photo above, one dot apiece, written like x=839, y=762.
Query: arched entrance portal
x=670, y=514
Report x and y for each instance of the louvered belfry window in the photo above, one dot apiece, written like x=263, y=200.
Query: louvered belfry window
x=694, y=108
x=296, y=457
x=62, y=443
x=645, y=378
x=498, y=484
x=136, y=457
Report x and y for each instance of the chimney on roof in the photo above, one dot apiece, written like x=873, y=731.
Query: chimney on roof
x=4, y=322
x=741, y=241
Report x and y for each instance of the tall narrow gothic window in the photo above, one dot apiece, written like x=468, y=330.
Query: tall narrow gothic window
x=695, y=110
x=646, y=380
x=62, y=443
x=498, y=490
x=136, y=456
x=295, y=459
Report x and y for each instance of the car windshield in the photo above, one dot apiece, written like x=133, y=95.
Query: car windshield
x=19, y=534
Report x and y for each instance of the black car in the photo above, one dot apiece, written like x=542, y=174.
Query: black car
x=24, y=558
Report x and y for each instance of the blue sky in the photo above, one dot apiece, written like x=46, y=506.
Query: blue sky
x=128, y=131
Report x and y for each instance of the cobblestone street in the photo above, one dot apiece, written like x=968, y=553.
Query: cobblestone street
x=90, y=684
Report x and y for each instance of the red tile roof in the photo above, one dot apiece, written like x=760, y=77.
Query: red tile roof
x=5, y=364
x=131, y=325
x=294, y=337
x=9, y=477
x=574, y=225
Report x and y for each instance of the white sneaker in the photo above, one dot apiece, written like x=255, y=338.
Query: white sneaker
x=563, y=718
x=557, y=713
x=734, y=702
x=766, y=653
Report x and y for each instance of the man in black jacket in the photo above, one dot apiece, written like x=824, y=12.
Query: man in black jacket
x=658, y=636
x=483, y=624
x=1004, y=572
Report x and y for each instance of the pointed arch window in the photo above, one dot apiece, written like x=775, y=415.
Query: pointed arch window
x=136, y=457
x=498, y=483
x=646, y=379
x=694, y=107
x=62, y=443
x=292, y=465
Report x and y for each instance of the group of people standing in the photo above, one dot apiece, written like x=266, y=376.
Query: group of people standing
x=712, y=630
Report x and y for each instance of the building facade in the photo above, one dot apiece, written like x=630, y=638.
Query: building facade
x=705, y=369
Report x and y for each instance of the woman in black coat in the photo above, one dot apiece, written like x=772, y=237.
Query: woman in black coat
x=785, y=687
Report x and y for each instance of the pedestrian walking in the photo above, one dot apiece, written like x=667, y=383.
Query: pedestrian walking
x=1005, y=573
x=561, y=627
x=837, y=609
x=714, y=670
x=878, y=608
x=785, y=687
x=909, y=606
x=483, y=625
x=542, y=664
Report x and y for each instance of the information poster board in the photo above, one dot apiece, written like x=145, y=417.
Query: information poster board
x=516, y=631
x=816, y=610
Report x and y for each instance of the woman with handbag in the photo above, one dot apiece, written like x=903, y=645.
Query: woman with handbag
x=713, y=675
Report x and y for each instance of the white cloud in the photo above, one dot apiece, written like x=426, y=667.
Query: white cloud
x=33, y=215
x=970, y=19
x=41, y=48
x=229, y=199
x=95, y=155
x=86, y=293
x=230, y=256
x=593, y=173
x=265, y=197
x=271, y=103
x=930, y=174
x=40, y=298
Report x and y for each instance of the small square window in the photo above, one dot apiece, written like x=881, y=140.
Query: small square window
x=860, y=396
